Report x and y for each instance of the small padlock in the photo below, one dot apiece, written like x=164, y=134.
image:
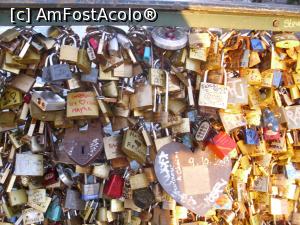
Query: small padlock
x=251, y=136
x=221, y=144
x=83, y=61
x=143, y=198
x=133, y=146
x=54, y=211
x=101, y=170
x=69, y=53
x=73, y=200
x=91, y=77
x=256, y=45
x=116, y=205
x=90, y=191
x=138, y=181
x=114, y=186
x=18, y=197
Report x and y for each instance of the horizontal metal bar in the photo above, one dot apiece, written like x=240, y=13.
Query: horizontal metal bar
x=227, y=5
x=209, y=16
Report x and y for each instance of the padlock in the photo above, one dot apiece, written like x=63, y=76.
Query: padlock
x=10, y=34
x=113, y=46
x=116, y=205
x=270, y=126
x=101, y=170
x=73, y=200
x=17, y=197
x=48, y=101
x=114, y=186
x=83, y=61
x=285, y=40
x=69, y=53
x=138, y=181
x=82, y=104
x=23, y=83
x=55, y=72
x=133, y=146
x=29, y=164
x=246, y=53
x=143, y=197
x=112, y=147
x=221, y=144
x=110, y=89
x=251, y=136
x=126, y=44
x=102, y=213
x=90, y=191
x=256, y=45
x=91, y=76
x=139, y=100
x=31, y=215
x=50, y=177
x=11, y=98
x=54, y=211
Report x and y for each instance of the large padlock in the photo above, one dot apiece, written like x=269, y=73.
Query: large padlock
x=69, y=53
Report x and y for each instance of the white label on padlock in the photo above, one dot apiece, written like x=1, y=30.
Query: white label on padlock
x=31, y=216
x=29, y=165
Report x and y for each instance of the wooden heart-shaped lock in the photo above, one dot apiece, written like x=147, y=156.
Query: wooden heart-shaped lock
x=195, y=180
x=83, y=146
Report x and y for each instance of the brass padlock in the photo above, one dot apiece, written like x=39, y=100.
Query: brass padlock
x=83, y=61
x=138, y=181
x=133, y=146
x=69, y=53
x=110, y=89
x=17, y=197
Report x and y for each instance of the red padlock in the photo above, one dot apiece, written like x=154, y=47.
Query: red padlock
x=221, y=144
x=114, y=186
x=51, y=177
x=94, y=43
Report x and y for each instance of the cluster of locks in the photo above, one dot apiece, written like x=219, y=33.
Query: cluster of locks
x=155, y=125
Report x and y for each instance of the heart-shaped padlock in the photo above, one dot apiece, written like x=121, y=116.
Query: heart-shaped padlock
x=84, y=146
x=195, y=180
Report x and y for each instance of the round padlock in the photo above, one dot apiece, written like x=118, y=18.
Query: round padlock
x=169, y=38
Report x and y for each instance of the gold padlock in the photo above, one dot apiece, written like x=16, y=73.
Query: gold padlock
x=133, y=146
x=69, y=53
x=17, y=197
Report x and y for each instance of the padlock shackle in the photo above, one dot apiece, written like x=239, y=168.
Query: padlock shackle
x=72, y=37
x=225, y=77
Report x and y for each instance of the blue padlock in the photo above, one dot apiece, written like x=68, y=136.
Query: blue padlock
x=251, y=136
x=54, y=211
x=187, y=140
x=256, y=45
x=192, y=115
x=277, y=76
x=147, y=54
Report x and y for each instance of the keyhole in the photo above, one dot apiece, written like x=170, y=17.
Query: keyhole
x=82, y=149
